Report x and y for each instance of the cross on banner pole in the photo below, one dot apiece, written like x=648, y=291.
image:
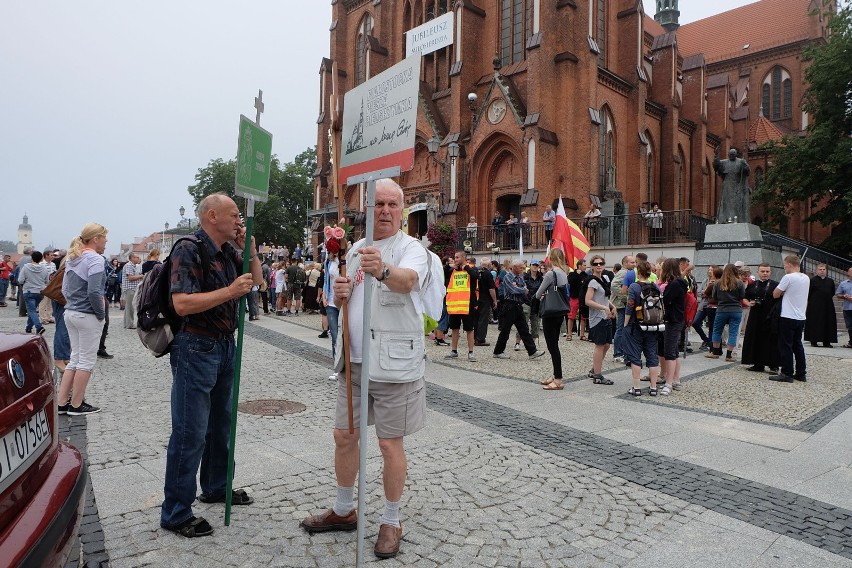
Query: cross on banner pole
x=238, y=363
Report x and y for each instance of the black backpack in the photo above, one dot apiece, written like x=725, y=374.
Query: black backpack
x=157, y=321
x=301, y=277
x=650, y=313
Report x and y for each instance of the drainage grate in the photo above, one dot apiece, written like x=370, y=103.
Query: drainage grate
x=271, y=407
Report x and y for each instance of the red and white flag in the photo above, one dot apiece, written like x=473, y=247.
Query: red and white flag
x=568, y=237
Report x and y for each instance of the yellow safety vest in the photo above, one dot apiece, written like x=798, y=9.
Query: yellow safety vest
x=458, y=293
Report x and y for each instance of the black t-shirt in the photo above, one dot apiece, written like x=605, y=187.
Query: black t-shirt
x=485, y=283
x=575, y=283
x=674, y=300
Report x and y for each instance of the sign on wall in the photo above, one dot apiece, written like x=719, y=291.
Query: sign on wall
x=431, y=36
x=379, y=121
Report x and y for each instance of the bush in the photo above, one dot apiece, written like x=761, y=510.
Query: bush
x=443, y=238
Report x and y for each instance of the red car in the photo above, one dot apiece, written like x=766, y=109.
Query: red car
x=42, y=480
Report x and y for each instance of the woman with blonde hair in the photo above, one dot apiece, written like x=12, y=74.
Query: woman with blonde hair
x=728, y=292
x=153, y=260
x=558, y=277
x=85, y=310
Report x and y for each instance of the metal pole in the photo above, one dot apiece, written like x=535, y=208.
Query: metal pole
x=365, y=377
x=238, y=364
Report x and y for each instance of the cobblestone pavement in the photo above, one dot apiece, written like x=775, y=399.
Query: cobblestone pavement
x=504, y=474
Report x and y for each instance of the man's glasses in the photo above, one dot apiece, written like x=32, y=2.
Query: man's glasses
x=598, y=264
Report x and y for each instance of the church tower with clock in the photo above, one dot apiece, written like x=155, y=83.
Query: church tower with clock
x=25, y=235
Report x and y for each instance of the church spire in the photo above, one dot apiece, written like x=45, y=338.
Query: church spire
x=667, y=14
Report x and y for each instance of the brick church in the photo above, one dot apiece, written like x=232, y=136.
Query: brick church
x=584, y=99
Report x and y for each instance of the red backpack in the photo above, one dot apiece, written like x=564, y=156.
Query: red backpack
x=690, y=308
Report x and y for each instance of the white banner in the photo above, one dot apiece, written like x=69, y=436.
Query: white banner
x=379, y=121
x=431, y=36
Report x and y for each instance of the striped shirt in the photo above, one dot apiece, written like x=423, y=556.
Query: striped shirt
x=131, y=269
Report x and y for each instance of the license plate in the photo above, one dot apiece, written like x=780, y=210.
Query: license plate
x=27, y=440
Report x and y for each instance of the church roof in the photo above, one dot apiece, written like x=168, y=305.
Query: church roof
x=762, y=131
x=761, y=25
x=653, y=27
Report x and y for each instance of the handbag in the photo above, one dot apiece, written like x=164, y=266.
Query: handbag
x=554, y=303
x=53, y=290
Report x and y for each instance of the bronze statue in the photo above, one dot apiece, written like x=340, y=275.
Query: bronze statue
x=734, y=206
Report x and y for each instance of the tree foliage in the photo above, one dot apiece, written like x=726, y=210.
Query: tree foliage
x=8, y=247
x=281, y=220
x=817, y=168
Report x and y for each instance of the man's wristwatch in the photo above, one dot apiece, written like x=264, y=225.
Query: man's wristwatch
x=385, y=274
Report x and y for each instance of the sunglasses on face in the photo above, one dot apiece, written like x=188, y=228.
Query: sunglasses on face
x=598, y=264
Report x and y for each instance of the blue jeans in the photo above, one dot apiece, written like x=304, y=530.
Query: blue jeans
x=203, y=377
x=61, y=340
x=32, y=300
x=4, y=289
x=696, y=325
x=790, y=344
x=332, y=314
x=618, y=348
x=732, y=319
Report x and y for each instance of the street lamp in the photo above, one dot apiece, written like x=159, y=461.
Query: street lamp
x=453, y=149
x=163, y=247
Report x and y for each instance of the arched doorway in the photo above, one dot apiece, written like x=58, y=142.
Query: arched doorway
x=498, y=179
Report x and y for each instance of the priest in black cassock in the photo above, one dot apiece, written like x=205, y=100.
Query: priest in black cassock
x=821, y=318
x=760, y=345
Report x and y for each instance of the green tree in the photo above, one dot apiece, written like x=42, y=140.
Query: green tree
x=8, y=247
x=817, y=168
x=281, y=220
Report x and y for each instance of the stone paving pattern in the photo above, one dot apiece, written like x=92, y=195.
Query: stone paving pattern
x=503, y=475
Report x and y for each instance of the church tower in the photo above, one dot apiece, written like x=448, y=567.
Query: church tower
x=667, y=14
x=25, y=235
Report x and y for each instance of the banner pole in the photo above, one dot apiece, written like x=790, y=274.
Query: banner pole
x=238, y=363
x=365, y=377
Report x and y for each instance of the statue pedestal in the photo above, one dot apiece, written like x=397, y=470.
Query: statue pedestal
x=729, y=242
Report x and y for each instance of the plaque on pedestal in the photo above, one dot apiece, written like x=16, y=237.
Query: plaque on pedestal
x=730, y=242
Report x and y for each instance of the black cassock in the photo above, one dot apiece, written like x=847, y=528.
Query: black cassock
x=821, y=319
x=760, y=345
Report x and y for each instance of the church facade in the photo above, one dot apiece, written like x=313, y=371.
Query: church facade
x=590, y=100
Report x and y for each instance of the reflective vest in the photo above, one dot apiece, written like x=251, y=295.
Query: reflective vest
x=458, y=293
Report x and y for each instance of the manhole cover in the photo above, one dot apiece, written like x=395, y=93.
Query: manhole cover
x=271, y=407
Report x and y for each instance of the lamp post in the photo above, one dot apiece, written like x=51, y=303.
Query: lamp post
x=452, y=151
x=182, y=220
x=163, y=246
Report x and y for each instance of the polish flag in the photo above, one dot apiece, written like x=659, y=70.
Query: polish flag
x=568, y=237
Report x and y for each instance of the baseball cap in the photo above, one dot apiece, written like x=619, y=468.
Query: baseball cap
x=739, y=264
x=534, y=263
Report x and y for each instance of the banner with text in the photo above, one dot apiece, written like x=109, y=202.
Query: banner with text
x=431, y=36
x=379, y=121
x=254, y=160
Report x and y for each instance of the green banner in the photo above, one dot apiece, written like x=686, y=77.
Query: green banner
x=254, y=160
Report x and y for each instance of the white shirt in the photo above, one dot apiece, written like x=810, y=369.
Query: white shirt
x=407, y=253
x=279, y=281
x=794, y=303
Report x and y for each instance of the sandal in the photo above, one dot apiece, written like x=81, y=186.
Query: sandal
x=583, y=338
x=546, y=381
x=634, y=391
x=192, y=528
x=552, y=386
x=238, y=497
x=601, y=380
x=652, y=392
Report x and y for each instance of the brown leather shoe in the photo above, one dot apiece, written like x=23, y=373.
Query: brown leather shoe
x=387, y=543
x=331, y=521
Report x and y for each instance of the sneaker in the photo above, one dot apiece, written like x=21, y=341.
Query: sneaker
x=517, y=346
x=332, y=377
x=502, y=356
x=781, y=378
x=618, y=359
x=296, y=314
x=323, y=334
x=63, y=408
x=537, y=353
x=83, y=409
x=471, y=358
x=40, y=331
x=104, y=355
x=666, y=390
x=441, y=343
x=452, y=355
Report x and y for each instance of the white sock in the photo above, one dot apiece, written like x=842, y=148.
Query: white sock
x=391, y=514
x=345, y=501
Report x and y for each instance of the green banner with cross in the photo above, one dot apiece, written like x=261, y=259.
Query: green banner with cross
x=254, y=161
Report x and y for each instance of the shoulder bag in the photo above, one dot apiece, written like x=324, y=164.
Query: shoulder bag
x=554, y=303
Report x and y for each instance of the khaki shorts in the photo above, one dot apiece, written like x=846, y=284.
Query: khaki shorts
x=397, y=409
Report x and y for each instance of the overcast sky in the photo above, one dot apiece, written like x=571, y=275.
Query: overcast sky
x=108, y=109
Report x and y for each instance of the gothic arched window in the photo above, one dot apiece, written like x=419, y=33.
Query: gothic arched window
x=606, y=145
x=515, y=18
x=777, y=94
x=365, y=28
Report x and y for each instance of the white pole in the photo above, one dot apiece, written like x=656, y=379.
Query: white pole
x=365, y=377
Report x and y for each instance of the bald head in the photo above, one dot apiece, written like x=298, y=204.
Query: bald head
x=219, y=217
